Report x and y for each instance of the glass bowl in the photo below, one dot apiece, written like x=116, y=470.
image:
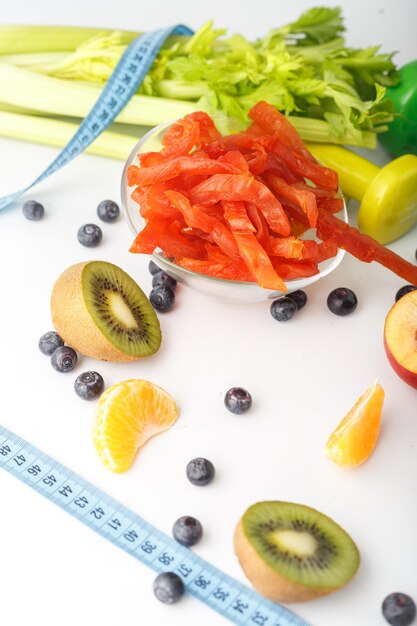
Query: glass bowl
x=228, y=290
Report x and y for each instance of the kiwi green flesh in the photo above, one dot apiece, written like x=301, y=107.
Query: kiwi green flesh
x=301, y=544
x=120, y=309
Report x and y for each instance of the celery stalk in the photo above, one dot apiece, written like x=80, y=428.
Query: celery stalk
x=17, y=39
x=55, y=96
x=56, y=133
x=65, y=97
x=33, y=60
x=318, y=131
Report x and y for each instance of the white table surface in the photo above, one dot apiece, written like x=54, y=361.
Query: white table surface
x=303, y=376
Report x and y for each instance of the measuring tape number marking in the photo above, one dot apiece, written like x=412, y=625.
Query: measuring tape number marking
x=122, y=527
x=123, y=83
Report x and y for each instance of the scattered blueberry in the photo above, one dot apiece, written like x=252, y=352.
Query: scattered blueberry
x=200, y=471
x=162, y=299
x=187, y=531
x=299, y=297
x=49, y=342
x=342, y=301
x=160, y=279
x=401, y=292
x=108, y=211
x=33, y=210
x=168, y=587
x=64, y=359
x=153, y=268
x=283, y=309
x=89, y=385
x=238, y=400
x=399, y=609
x=89, y=235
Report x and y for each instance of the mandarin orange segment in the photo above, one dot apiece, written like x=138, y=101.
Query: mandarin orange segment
x=354, y=439
x=127, y=415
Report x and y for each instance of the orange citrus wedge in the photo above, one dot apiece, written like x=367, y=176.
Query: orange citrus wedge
x=127, y=415
x=354, y=439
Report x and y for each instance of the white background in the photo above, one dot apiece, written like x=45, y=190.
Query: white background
x=303, y=375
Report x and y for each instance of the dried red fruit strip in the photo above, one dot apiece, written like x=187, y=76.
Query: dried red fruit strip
x=235, y=158
x=258, y=262
x=176, y=244
x=271, y=209
x=296, y=269
x=237, y=217
x=305, y=199
x=346, y=237
x=223, y=187
x=195, y=218
x=258, y=220
x=363, y=247
x=215, y=210
x=147, y=159
x=274, y=123
x=319, y=252
x=294, y=212
x=229, y=271
x=153, y=202
x=241, y=187
x=143, y=176
x=332, y=205
x=180, y=138
x=287, y=247
x=254, y=129
x=208, y=130
x=277, y=166
x=321, y=176
x=319, y=192
x=297, y=228
x=257, y=159
x=148, y=239
x=215, y=255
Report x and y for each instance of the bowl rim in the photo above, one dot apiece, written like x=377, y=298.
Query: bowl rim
x=292, y=285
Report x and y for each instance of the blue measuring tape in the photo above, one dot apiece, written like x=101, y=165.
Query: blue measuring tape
x=128, y=531
x=121, y=86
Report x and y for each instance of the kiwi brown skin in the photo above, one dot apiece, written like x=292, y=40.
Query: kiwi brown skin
x=266, y=580
x=73, y=322
x=271, y=583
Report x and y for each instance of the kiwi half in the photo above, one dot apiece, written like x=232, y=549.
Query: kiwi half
x=101, y=312
x=293, y=553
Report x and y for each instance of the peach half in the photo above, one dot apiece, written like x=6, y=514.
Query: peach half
x=400, y=338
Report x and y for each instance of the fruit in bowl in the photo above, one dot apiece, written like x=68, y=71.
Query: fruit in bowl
x=226, y=214
x=248, y=216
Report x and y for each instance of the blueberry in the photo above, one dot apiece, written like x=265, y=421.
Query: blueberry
x=342, y=301
x=89, y=235
x=108, y=211
x=187, y=531
x=299, y=297
x=200, y=471
x=89, y=385
x=160, y=279
x=33, y=210
x=49, y=342
x=153, y=268
x=401, y=292
x=168, y=587
x=283, y=309
x=399, y=609
x=162, y=299
x=238, y=400
x=64, y=359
